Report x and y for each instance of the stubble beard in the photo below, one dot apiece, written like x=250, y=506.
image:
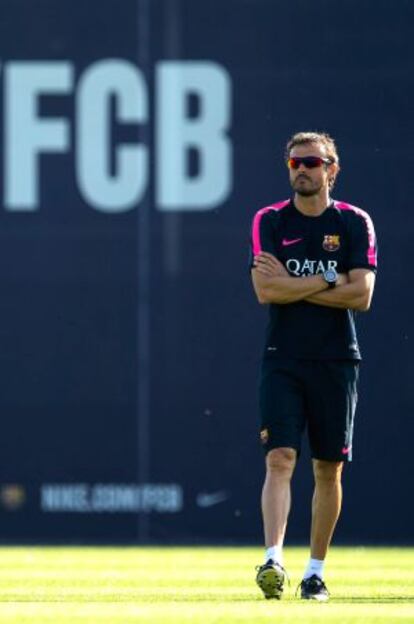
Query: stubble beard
x=306, y=192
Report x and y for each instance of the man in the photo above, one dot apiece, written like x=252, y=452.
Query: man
x=310, y=365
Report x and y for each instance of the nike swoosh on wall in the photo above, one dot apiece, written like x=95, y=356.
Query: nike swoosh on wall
x=205, y=499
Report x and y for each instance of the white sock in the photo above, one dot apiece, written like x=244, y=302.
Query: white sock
x=275, y=553
x=315, y=566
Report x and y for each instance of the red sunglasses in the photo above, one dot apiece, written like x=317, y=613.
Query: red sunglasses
x=310, y=162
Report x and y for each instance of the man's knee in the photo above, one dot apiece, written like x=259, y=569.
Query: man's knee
x=281, y=461
x=326, y=471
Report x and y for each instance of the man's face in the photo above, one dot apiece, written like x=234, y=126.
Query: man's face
x=308, y=182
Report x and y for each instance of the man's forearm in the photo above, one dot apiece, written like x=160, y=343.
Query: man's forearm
x=286, y=289
x=350, y=295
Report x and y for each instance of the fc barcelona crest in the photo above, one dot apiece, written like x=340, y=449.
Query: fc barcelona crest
x=331, y=242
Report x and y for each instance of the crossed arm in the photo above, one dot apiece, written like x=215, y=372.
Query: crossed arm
x=273, y=284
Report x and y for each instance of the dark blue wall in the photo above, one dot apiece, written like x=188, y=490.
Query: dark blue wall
x=130, y=341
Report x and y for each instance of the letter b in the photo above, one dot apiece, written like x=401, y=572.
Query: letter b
x=177, y=133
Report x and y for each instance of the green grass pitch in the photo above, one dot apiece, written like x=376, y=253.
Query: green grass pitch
x=197, y=585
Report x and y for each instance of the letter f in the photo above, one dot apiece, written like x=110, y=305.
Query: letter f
x=26, y=136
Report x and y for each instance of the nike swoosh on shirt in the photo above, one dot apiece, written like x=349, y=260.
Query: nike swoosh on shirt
x=292, y=241
x=208, y=500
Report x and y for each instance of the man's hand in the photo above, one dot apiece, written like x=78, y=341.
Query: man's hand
x=266, y=264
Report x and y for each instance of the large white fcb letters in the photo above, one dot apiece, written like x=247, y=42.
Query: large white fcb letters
x=117, y=88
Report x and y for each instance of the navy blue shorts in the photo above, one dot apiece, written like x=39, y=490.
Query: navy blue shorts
x=319, y=395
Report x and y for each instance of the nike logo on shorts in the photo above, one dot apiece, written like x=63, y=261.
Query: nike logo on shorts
x=291, y=241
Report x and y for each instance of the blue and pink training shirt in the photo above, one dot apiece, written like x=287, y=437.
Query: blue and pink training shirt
x=342, y=237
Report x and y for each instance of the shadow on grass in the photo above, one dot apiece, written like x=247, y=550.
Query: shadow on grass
x=197, y=599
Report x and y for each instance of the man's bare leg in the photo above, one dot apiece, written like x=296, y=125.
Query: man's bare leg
x=280, y=464
x=326, y=505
